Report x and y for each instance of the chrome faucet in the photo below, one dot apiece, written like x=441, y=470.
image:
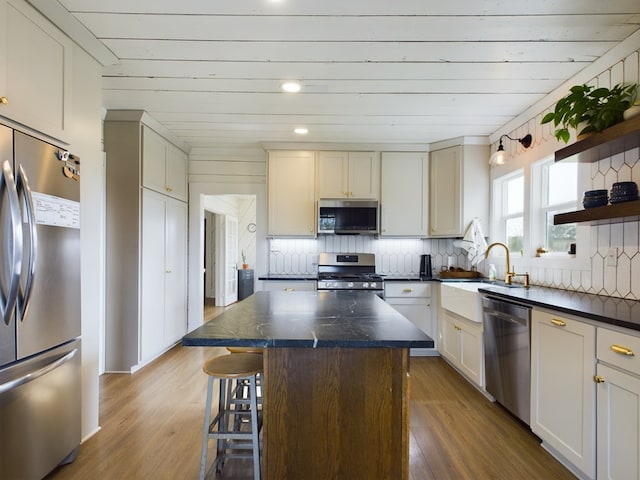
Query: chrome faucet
x=508, y=276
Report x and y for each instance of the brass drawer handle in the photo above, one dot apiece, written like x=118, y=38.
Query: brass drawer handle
x=558, y=323
x=289, y=289
x=622, y=350
x=598, y=379
x=4, y=100
x=407, y=290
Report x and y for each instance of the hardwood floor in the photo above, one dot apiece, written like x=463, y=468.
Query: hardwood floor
x=151, y=425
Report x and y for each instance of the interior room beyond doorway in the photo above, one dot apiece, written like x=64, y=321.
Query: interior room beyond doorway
x=229, y=242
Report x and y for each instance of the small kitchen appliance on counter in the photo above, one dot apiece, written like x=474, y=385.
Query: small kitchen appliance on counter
x=349, y=271
x=425, y=267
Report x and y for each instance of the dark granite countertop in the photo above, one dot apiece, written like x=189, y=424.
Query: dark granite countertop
x=310, y=319
x=600, y=308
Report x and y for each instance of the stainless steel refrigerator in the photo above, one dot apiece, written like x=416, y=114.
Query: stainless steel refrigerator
x=39, y=306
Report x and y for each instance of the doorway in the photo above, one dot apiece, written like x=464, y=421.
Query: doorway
x=229, y=241
x=251, y=234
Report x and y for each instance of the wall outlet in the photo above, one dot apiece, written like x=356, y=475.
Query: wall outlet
x=612, y=257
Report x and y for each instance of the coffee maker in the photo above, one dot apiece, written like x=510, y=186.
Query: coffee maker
x=425, y=267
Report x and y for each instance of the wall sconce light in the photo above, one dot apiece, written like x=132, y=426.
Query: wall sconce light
x=500, y=157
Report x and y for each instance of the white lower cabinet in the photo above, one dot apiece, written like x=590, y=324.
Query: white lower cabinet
x=413, y=300
x=618, y=397
x=562, y=388
x=461, y=344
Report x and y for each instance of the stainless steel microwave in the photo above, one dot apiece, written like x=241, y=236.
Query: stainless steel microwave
x=348, y=217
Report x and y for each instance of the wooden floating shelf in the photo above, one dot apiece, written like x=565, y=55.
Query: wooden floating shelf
x=607, y=214
x=616, y=139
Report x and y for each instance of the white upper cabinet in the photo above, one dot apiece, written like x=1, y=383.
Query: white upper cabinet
x=459, y=189
x=164, y=166
x=291, y=194
x=348, y=175
x=404, y=194
x=35, y=70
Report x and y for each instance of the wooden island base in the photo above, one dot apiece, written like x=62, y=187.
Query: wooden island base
x=336, y=413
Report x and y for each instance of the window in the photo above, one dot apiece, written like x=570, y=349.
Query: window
x=558, y=194
x=524, y=203
x=510, y=212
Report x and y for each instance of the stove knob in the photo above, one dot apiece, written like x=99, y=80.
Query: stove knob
x=365, y=285
x=350, y=284
x=374, y=284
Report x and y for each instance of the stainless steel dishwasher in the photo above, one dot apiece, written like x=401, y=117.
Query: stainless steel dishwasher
x=507, y=354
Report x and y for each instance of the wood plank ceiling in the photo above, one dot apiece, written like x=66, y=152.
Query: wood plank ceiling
x=372, y=71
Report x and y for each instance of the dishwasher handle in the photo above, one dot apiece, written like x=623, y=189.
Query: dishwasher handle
x=505, y=317
x=491, y=304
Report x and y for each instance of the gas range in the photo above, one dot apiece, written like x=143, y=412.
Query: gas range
x=349, y=271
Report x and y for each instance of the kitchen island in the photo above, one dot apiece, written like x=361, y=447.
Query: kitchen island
x=336, y=381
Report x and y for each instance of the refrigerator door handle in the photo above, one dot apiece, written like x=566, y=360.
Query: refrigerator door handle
x=13, y=237
x=31, y=376
x=24, y=192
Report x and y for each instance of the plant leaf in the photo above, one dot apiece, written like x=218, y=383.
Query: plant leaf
x=547, y=118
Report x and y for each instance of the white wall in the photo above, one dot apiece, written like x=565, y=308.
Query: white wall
x=86, y=134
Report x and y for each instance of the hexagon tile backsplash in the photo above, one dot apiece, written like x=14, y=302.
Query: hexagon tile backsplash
x=394, y=257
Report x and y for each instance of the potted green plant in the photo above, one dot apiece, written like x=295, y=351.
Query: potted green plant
x=587, y=109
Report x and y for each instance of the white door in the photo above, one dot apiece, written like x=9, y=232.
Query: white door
x=226, y=260
x=231, y=260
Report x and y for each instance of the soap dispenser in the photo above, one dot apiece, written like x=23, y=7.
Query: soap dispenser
x=492, y=272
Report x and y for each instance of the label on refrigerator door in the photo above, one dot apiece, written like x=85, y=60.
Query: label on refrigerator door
x=56, y=211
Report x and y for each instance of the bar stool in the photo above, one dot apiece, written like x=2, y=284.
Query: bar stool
x=256, y=350
x=226, y=425
x=241, y=388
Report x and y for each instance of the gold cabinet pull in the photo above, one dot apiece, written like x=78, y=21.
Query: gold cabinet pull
x=622, y=350
x=598, y=379
x=407, y=290
x=558, y=323
x=289, y=289
x=4, y=100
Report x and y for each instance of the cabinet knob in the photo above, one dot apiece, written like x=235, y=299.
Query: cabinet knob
x=4, y=100
x=598, y=379
x=622, y=350
x=169, y=189
x=558, y=323
x=167, y=271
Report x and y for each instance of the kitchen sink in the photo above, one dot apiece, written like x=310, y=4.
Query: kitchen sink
x=462, y=298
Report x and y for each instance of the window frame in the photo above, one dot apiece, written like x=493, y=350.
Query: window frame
x=535, y=222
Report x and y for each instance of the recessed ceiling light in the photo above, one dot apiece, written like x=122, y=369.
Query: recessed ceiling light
x=301, y=130
x=291, y=87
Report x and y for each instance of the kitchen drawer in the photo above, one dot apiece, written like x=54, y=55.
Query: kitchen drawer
x=413, y=289
x=627, y=355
